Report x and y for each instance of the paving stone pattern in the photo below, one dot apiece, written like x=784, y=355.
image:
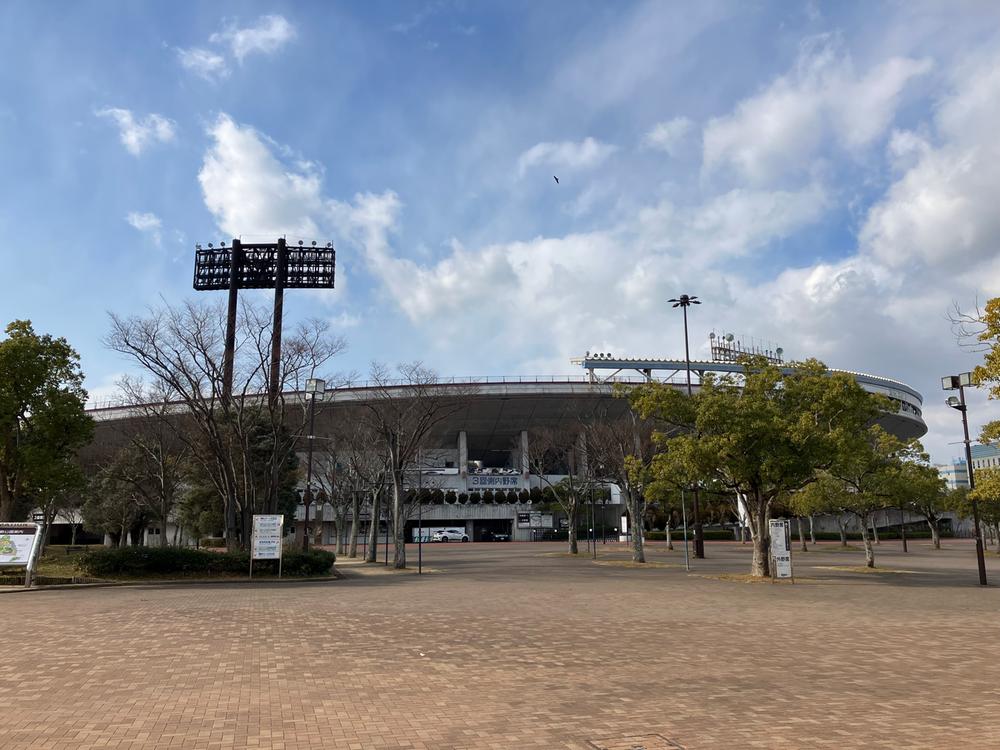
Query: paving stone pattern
x=510, y=646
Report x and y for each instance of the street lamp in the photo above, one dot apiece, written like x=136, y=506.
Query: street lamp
x=316, y=388
x=684, y=302
x=959, y=382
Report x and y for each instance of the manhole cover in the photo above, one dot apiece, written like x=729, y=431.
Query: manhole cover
x=637, y=742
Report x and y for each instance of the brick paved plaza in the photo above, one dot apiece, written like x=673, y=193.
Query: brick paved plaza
x=517, y=646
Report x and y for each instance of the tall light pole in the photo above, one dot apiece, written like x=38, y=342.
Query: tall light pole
x=684, y=302
x=316, y=388
x=958, y=382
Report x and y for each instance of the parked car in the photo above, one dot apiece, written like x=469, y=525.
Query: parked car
x=450, y=535
x=499, y=536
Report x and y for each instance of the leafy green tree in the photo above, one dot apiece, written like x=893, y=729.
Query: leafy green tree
x=759, y=434
x=987, y=495
x=922, y=491
x=114, y=507
x=42, y=419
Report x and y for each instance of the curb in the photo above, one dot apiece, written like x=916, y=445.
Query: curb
x=176, y=582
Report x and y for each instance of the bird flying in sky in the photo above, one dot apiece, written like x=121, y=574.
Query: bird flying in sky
x=556, y=179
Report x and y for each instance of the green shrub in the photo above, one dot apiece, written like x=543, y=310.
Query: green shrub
x=139, y=562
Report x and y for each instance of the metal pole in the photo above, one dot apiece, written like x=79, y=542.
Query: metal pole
x=699, y=537
x=980, y=559
x=309, y=471
x=687, y=563
x=274, y=379
x=420, y=515
x=235, y=266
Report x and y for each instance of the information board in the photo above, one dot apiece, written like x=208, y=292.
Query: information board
x=268, y=532
x=781, y=547
x=17, y=541
x=524, y=520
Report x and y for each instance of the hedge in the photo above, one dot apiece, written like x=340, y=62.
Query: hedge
x=711, y=535
x=138, y=562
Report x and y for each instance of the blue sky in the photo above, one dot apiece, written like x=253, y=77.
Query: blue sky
x=822, y=175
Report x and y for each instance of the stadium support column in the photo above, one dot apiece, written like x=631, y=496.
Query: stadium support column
x=525, y=465
x=463, y=455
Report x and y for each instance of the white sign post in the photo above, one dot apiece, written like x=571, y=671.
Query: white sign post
x=265, y=544
x=781, y=549
x=19, y=545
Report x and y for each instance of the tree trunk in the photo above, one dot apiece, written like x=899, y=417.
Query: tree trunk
x=340, y=518
x=869, y=550
x=935, y=534
x=372, y=550
x=812, y=531
x=670, y=535
x=843, y=530
x=398, y=524
x=352, y=546
x=875, y=530
x=72, y=534
x=802, y=536
x=760, y=535
x=6, y=499
x=574, y=511
x=635, y=508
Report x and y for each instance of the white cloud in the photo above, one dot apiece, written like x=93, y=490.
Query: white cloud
x=781, y=129
x=668, y=136
x=943, y=207
x=586, y=154
x=204, y=63
x=148, y=223
x=267, y=36
x=251, y=192
x=136, y=134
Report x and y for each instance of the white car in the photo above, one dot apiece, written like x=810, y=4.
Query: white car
x=450, y=535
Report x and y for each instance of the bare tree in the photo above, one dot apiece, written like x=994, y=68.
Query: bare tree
x=402, y=412
x=559, y=451
x=621, y=449
x=181, y=347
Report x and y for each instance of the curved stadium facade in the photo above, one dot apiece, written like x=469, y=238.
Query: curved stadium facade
x=484, y=445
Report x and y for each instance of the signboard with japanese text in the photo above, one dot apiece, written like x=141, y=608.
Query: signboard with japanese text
x=524, y=520
x=494, y=481
x=17, y=541
x=268, y=532
x=781, y=547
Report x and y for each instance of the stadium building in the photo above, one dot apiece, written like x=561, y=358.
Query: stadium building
x=484, y=446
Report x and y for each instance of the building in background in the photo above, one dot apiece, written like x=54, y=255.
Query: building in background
x=955, y=473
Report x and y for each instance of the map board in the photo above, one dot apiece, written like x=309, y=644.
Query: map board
x=17, y=540
x=268, y=532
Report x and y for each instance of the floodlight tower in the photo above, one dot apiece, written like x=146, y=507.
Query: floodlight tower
x=684, y=302
x=271, y=265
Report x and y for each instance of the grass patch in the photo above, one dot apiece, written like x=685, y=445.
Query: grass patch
x=747, y=578
x=578, y=555
x=638, y=565
x=864, y=569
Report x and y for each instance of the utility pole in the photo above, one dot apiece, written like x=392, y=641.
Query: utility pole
x=958, y=382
